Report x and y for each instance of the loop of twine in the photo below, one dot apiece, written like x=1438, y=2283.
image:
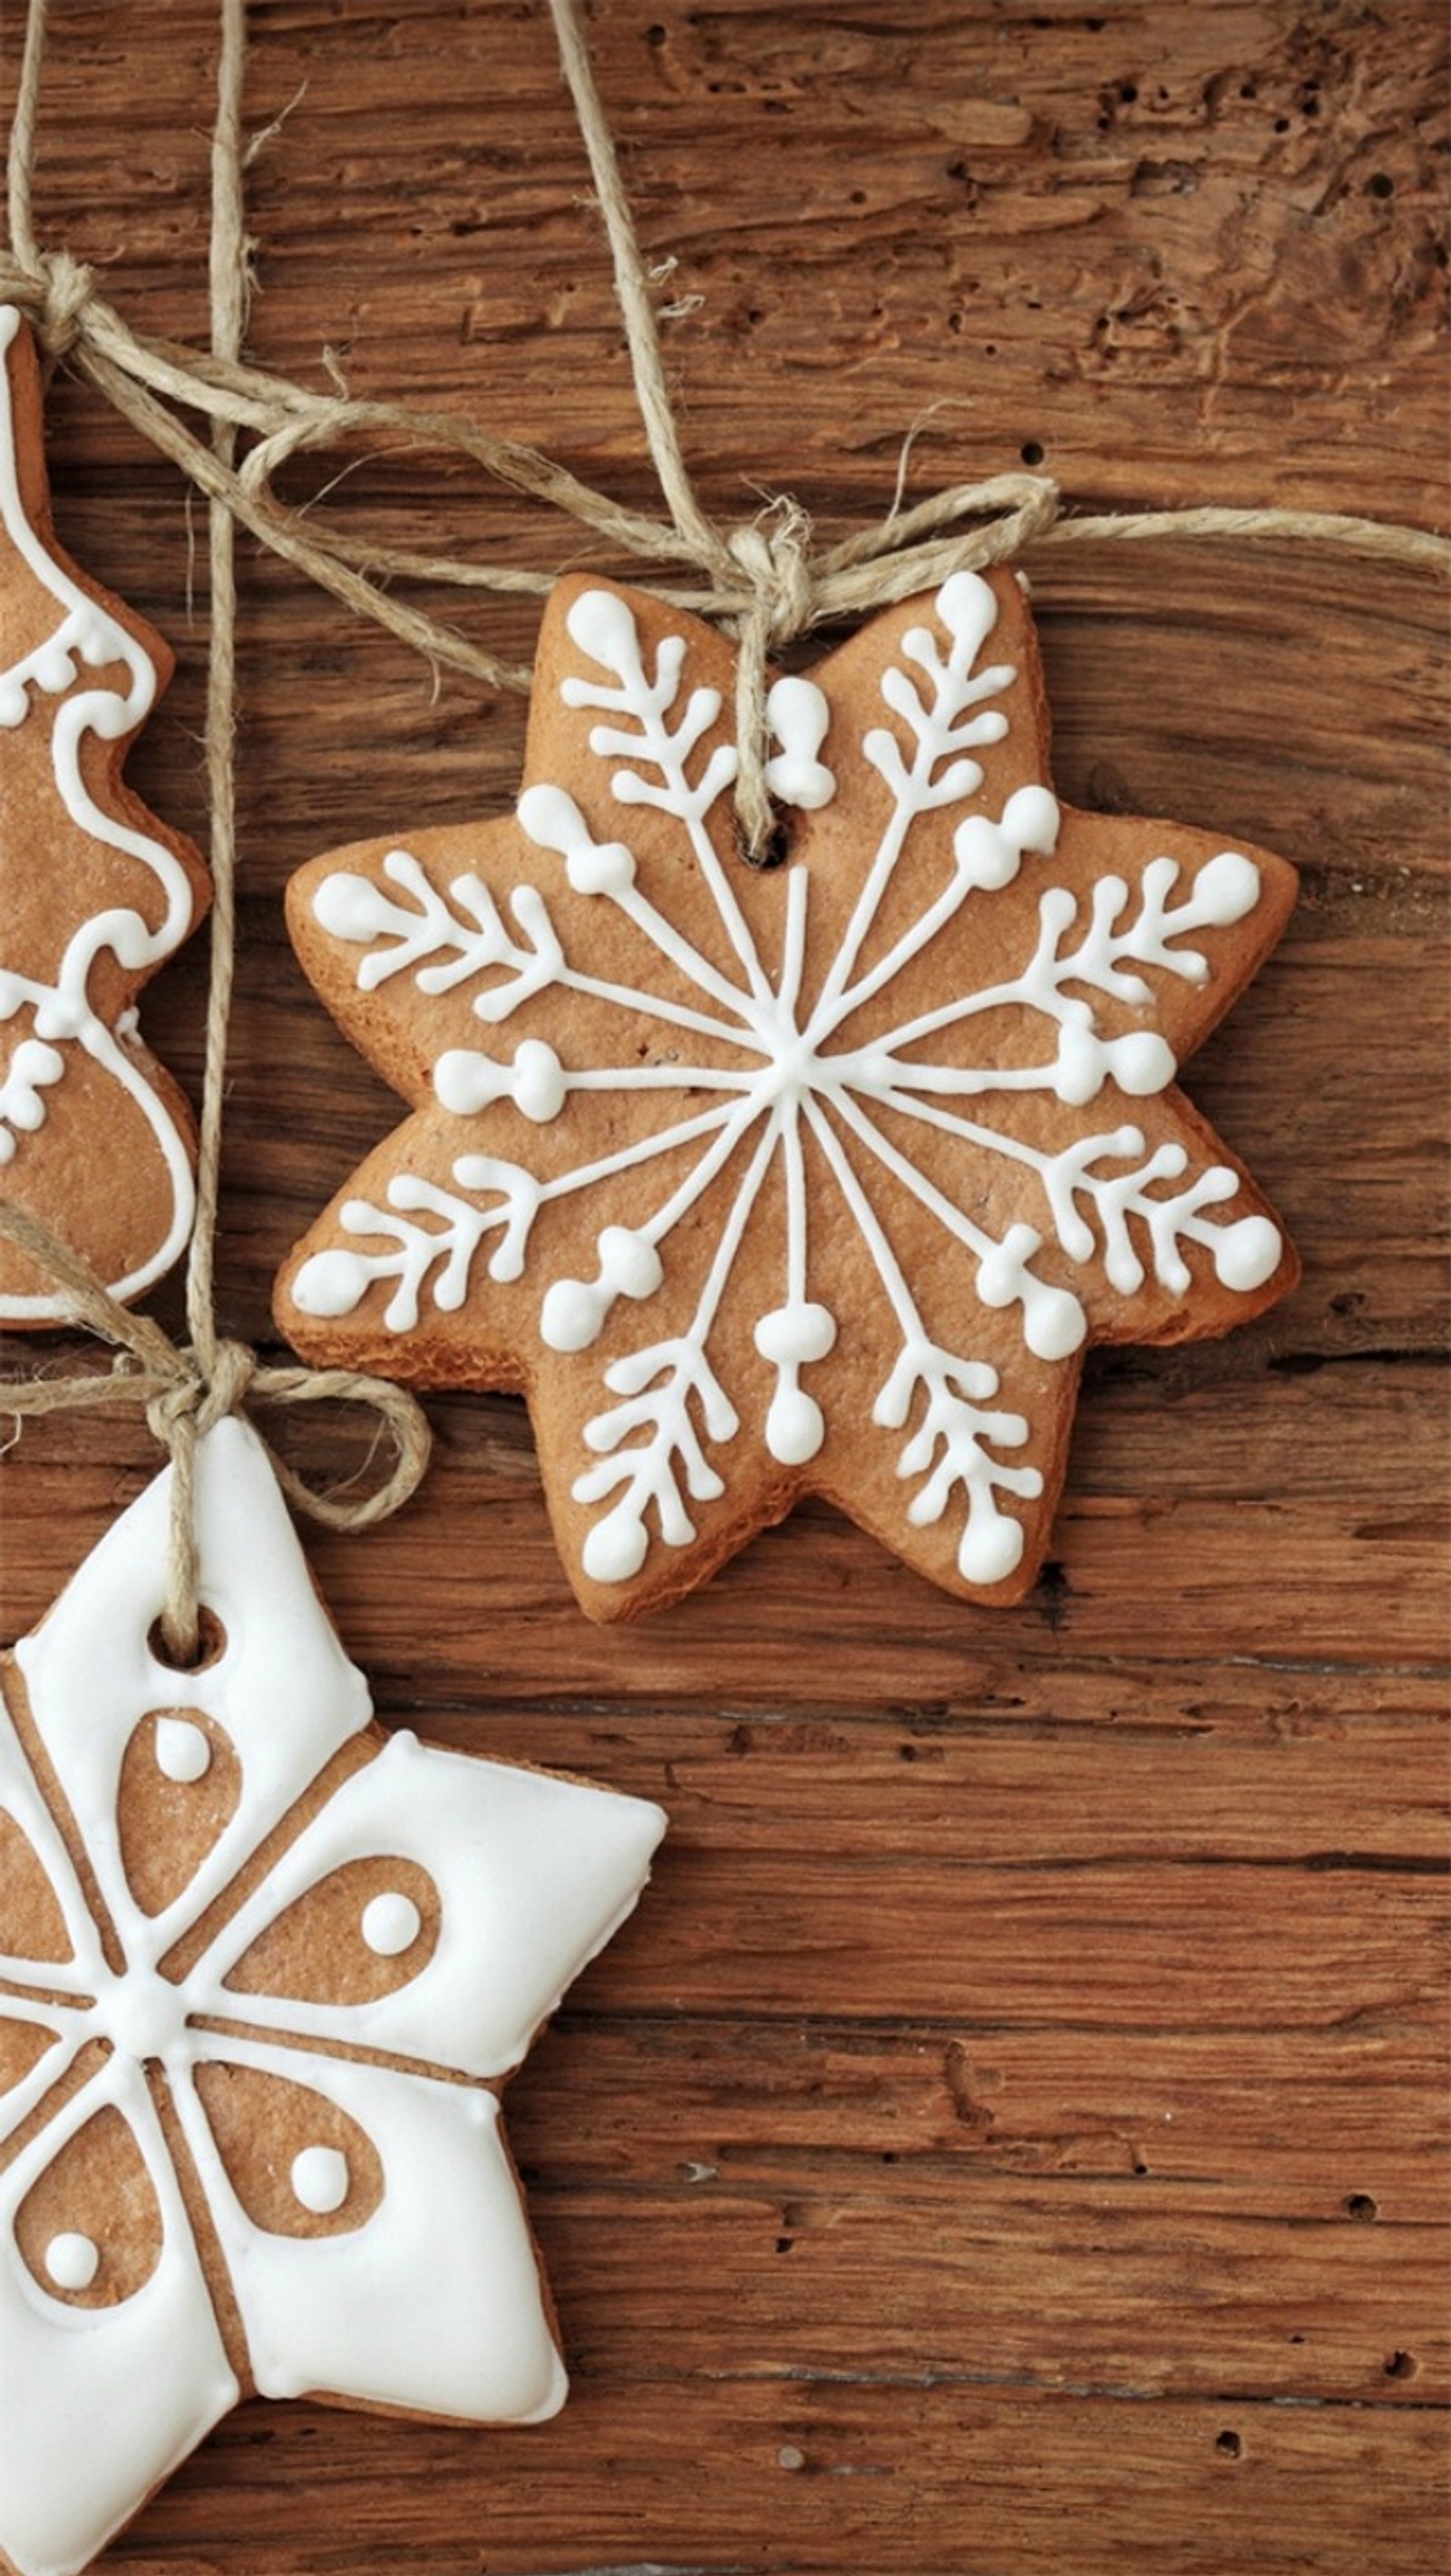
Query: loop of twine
x=184, y=1395
x=186, y=1391
x=765, y=577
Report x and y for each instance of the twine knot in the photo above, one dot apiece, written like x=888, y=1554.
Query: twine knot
x=773, y=552
x=776, y=561
x=202, y=1397
x=53, y=290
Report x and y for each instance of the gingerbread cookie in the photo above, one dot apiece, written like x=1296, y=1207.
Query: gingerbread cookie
x=813, y=1179
x=95, y=1138
x=261, y=1970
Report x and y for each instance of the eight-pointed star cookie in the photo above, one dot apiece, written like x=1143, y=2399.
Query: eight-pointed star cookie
x=813, y=1179
x=95, y=1137
x=262, y=1969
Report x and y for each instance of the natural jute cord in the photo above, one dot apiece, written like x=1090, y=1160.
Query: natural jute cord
x=764, y=577
x=185, y=1391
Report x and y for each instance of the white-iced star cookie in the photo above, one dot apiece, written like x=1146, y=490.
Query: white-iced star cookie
x=262, y=1969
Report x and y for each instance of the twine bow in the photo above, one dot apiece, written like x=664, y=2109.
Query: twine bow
x=186, y=1390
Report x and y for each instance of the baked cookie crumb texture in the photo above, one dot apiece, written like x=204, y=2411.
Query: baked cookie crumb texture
x=95, y=1138
x=262, y=1969
x=814, y=1178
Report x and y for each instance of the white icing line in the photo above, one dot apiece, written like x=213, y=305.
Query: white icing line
x=87, y=632
x=781, y=1067
x=433, y=2302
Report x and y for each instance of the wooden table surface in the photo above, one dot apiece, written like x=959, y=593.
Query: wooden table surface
x=1005, y=2142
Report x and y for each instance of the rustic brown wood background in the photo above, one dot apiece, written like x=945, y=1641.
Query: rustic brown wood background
x=1005, y=2141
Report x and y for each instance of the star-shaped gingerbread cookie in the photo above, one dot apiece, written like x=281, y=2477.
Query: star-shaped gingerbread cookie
x=263, y=1972
x=812, y=1179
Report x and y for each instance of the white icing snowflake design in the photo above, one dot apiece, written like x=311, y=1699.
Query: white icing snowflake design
x=860, y=1152
x=122, y=900
x=415, y=1914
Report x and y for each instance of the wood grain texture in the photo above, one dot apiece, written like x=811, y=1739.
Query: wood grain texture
x=1009, y=2140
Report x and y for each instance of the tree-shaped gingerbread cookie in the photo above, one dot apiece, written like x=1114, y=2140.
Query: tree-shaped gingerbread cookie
x=95, y=1138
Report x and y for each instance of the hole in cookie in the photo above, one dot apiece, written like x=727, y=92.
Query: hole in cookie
x=211, y=1644
x=775, y=850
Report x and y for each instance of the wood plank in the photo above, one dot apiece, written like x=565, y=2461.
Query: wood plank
x=1116, y=1946
x=798, y=2477
x=765, y=2105
x=1064, y=1991
x=1088, y=2289
x=1198, y=1519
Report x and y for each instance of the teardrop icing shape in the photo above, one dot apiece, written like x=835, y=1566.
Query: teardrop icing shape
x=298, y=2165
x=344, y=1941
x=179, y=1789
x=89, y=2229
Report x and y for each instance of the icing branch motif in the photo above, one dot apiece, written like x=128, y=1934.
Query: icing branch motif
x=91, y=900
x=897, y=1064
x=465, y=930
x=329, y=2060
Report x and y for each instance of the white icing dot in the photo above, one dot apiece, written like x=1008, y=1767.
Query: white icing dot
x=604, y=867
x=602, y=626
x=795, y=1427
x=966, y=602
x=1247, y=1254
x=391, y=1924
x=1082, y=1064
x=551, y=818
x=540, y=1086
x=465, y=1081
x=72, y=2260
x=799, y=716
x=615, y=1547
x=1227, y=888
x=1054, y=1323
x=331, y=1283
x=350, y=907
x=571, y=1315
x=1033, y=817
x=54, y=670
x=1141, y=1064
x=320, y=2179
x=630, y=1266
x=991, y=1547
x=795, y=1334
x=182, y=1751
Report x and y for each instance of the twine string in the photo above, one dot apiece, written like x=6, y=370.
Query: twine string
x=186, y=1391
x=766, y=577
